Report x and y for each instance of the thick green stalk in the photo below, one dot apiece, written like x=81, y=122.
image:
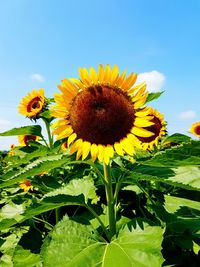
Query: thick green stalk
x=110, y=201
x=47, y=124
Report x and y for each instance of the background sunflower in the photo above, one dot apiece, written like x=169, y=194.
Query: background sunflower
x=32, y=104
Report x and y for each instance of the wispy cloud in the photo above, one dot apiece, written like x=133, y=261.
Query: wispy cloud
x=186, y=115
x=154, y=79
x=37, y=77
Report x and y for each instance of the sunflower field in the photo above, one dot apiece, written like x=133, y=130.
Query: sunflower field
x=96, y=181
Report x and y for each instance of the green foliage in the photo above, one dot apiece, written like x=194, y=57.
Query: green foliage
x=137, y=248
x=141, y=211
x=25, y=130
x=153, y=96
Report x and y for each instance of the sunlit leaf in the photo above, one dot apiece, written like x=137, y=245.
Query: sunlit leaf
x=141, y=248
x=25, y=130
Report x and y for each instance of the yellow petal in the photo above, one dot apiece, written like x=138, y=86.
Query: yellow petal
x=84, y=75
x=75, y=146
x=68, y=84
x=93, y=75
x=134, y=140
x=94, y=151
x=118, y=149
x=107, y=74
x=85, y=149
x=141, y=102
x=140, y=122
x=141, y=132
x=100, y=73
x=101, y=153
x=128, y=83
x=114, y=74
x=137, y=87
x=78, y=83
x=79, y=152
x=68, y=131
x=71, y=138
x=108, y=153
x=126, y=145
x=143, y=112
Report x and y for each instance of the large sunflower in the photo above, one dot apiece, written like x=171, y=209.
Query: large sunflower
x=195, y=129
x=32, y=104
x=158, y=128
x=101, y=113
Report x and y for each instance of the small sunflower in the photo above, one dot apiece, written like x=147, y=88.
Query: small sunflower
x=12, y=147
x=158, y=128
x=101, y=113
x=195, y=129
x=26, y=185
x=32, y=104
x=24, y=139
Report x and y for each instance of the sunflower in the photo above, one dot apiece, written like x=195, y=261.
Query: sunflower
x=24, y=139
x=12, y=147
x=195, y=129
x=26, y=185
x=32, y=104
x=158, y=128
x=101, y=113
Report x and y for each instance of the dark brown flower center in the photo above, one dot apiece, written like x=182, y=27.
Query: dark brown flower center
x=33, y=104
x=197, y=130
x=155, y=128
x=28, y=138
x=102, y=114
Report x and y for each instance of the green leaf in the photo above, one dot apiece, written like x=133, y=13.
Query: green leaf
x=176, y=138
x=153, y=96
x=43, y=164
x=185, y=154
x=11, y=210
x=77, y=187
x=25, y=130
x=137, y=248
x=173, y=204
x=23, y=258
x=46, y=204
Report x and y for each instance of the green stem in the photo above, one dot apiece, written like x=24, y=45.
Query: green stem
x=57, y=213
x=50, y=226
x=99, y=220
x=117, y=188
x=47, y=124
x=110, y=201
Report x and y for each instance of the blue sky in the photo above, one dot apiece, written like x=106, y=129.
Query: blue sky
x=41, y=42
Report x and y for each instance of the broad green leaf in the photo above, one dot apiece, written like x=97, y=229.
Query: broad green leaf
x=77, y=187
x=46, y=204
x=25, y=130
x=187, y=177
x=23, y=258
x=43, y=164
x=141, y=248
x=6, y=261
x=153, y=96
x=172, y=203
x=196, y=248
x=176, y=138
x=185, y=154
x=11, y=210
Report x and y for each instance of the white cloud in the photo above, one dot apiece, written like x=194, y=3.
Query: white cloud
x=155, y=80
x=189, y=114
x=37, y=77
